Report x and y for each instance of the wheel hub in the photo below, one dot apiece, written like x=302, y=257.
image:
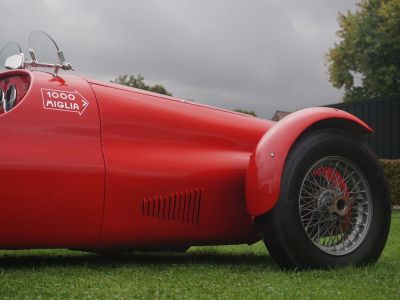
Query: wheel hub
x=340, y=205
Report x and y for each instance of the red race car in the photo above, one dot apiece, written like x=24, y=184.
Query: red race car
x=100, y=167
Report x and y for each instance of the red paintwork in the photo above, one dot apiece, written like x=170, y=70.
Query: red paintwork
x=51, y=170
x=155, y=145
x=265, y=170
x=135, y=169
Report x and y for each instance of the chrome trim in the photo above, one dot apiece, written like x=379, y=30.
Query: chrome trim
x=34, y=63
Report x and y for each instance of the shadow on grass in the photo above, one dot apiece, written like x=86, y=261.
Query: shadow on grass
x=80, y=259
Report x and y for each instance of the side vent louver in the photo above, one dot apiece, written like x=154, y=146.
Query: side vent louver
x=182, y=206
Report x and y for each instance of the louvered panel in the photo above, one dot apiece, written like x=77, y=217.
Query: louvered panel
x=180, y=206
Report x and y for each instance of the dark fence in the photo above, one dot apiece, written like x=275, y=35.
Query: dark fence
x=382, y=114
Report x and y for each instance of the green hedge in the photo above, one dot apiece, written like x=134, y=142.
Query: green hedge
x=392, y=173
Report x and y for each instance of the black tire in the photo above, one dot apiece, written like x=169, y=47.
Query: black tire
x=287, y=235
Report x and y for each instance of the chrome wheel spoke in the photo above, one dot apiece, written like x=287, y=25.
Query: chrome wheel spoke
x=335, y=205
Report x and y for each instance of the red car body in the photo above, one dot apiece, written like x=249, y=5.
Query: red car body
x=92, y=165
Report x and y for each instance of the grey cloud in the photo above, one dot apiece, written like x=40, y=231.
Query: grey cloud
x=259, y=55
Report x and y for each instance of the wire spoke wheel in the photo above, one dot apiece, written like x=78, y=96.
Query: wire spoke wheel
x=335, y=205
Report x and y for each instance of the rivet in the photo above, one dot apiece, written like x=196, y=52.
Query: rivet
x=272, y=154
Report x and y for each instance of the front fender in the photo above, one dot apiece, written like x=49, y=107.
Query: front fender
x=263, y=177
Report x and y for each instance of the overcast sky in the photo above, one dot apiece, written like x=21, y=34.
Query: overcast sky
x=261, y=55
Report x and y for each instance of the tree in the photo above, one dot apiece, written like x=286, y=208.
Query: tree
x=248, y=112
x=366, y=61
x=138, y=82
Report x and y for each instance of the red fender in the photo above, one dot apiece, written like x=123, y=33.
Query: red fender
x=263, y=177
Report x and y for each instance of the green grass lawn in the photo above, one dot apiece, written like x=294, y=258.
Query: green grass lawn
x=225, y=272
